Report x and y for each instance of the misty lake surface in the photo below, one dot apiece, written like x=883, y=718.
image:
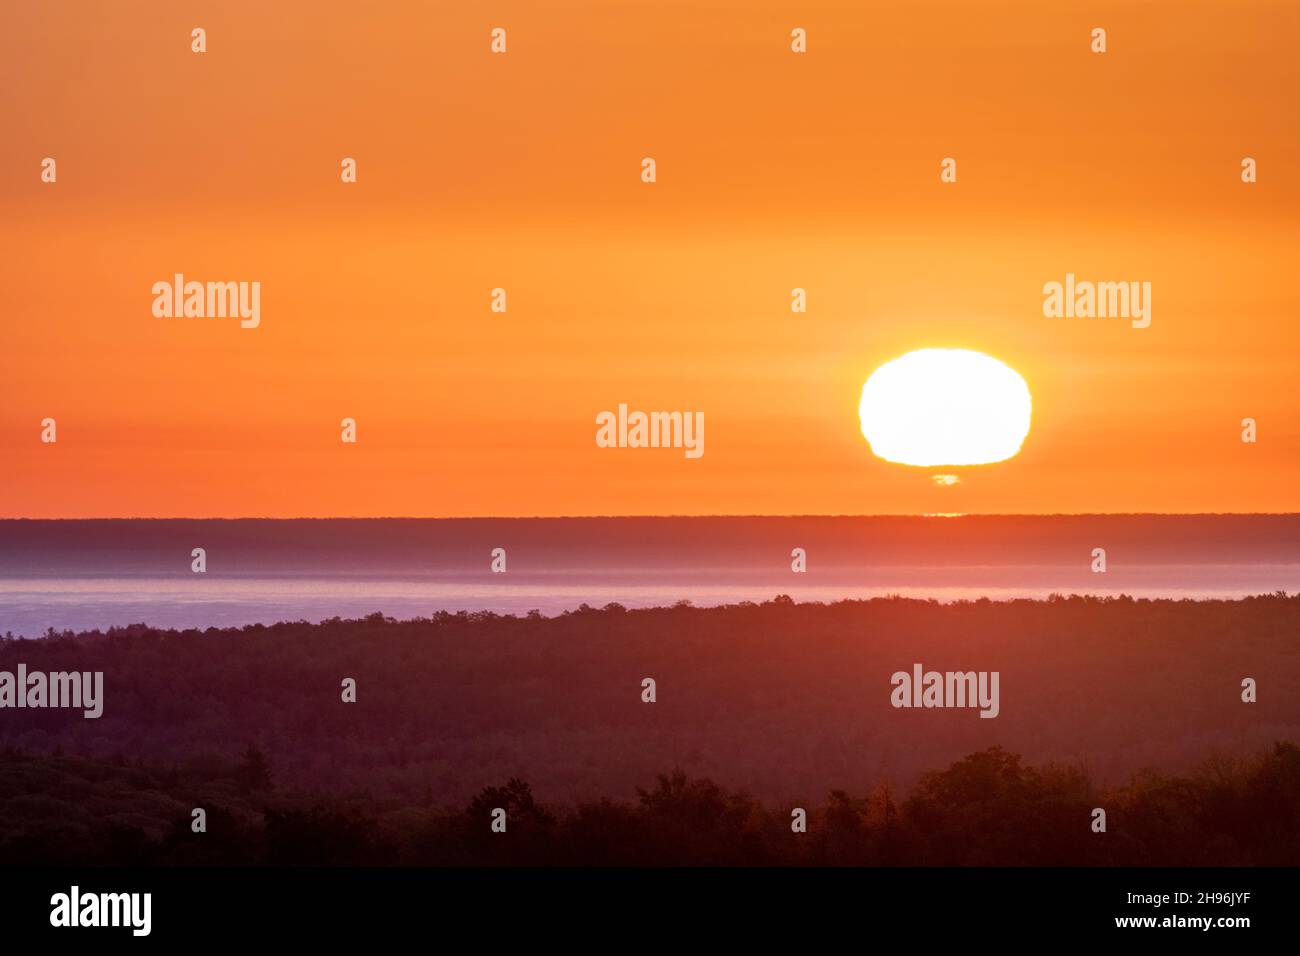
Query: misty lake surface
x=84, y=575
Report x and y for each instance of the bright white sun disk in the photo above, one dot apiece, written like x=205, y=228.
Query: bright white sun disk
x=945, y=407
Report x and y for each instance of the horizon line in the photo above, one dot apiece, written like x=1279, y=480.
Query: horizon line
x=676, y=516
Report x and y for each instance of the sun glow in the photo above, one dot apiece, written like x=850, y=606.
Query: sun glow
x=945, y=407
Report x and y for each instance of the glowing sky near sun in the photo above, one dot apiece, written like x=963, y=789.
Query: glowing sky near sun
x=522, y=172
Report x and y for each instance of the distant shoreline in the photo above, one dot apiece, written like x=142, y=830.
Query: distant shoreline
x=671, y=517
x=779, y=600
x=81, y=575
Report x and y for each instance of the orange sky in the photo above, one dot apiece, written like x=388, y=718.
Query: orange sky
x=522, y=171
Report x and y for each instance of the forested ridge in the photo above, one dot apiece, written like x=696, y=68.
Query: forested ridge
x=782, y=700
x=1130, y=705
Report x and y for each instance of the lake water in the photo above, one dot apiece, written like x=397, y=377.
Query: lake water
x=83, y=575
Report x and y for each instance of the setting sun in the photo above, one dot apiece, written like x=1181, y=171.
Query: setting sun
x=945, y=407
